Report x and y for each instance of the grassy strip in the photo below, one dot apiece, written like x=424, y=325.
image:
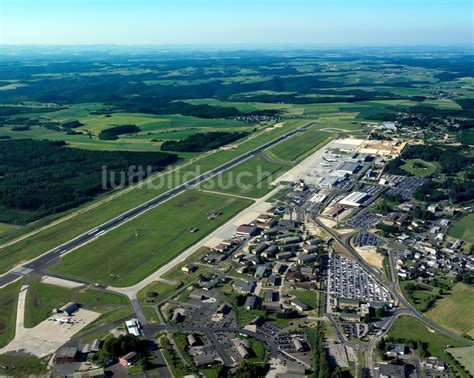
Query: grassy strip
x=251, y=178
x=8, y=306
x=153, y=239
x=172, y=359
x=295, y=148
x=386, y=268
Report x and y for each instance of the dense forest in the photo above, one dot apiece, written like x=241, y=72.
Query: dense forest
x=113, y=132
x=202, y=142
x=41, y=177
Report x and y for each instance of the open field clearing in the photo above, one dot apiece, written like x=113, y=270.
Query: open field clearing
x=42, y=298
x=8, y=306
x=64, y=231
x=463, y=229
x=419, y=167
x=410, y=328
x=454, y=311
x=133, y=251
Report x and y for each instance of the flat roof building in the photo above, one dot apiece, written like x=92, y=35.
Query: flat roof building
x=355, y=199
x=65, y=355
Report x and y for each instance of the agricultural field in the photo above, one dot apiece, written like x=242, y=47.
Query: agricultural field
x=42, y=298
x=454, y=310
x=153, y=239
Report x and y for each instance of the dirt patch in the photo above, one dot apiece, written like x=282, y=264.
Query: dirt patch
x=370, y=256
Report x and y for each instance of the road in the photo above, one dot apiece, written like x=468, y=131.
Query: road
x=405, y=308
x=38, y=263
x=402, y=302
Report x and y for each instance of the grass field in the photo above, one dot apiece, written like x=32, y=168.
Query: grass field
x=133, y=251
x=4, y=227
x=419, y=167
x=153, y=128
x=465, y=357
x=8, y=304
x=418, y=298
x=23, y=366
x=251, y=178
x=410, y=328
x=60, y=233
x=463, y=229
x=311, y=298
x=294, y=148
x=454, y=311
x=41, y=298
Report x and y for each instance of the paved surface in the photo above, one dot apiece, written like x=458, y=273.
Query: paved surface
x=48, y=336
x=55, y=253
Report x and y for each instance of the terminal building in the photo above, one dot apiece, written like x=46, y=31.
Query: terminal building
x=355, y=199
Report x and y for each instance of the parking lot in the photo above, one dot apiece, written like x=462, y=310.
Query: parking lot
x=347, y=279
x=365, y=239
x=364, y=220
x=406, y=186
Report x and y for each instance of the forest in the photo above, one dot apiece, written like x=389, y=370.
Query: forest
x=202, y=142
x=38, y=178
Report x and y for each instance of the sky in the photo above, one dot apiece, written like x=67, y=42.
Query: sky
x=237, y=22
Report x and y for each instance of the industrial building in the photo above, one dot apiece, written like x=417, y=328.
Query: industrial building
x=356, y=199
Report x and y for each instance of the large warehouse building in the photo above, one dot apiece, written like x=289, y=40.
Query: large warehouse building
x=355, y=199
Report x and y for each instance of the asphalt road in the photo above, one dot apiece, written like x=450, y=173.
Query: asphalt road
x=38, y=263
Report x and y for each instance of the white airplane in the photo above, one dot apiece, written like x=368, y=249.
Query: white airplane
x=63, y=320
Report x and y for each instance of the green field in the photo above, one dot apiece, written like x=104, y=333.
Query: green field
x=465, y=357
x=42, y=298
x=309, y=297
x=162, y=289
x=153, y=128
x=60, y=233
x=419, y=167
x=295, y=148
x=23, y=366
x=8, y=305
x=4, y=227
x=251, y=178
x=410, y=328
x=454, y=311
x=419, y=298
x=133, y=251
x=463, y=229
